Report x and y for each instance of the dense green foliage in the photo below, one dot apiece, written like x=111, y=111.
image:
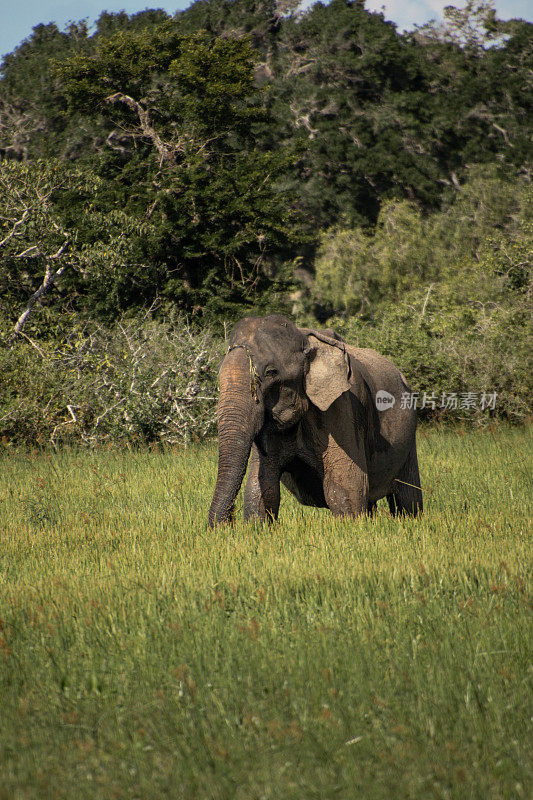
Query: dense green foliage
x=144, y=656
x=244, y=157
x=460, y=288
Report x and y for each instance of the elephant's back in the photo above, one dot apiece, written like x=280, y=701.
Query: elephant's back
x=381, y=370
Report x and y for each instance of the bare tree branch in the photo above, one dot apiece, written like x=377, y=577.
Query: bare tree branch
x=25, y=253
x=167, y=152
x=13, y=231
x=50, y=278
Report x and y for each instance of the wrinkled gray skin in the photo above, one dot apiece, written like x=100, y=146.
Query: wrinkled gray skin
x=301, y=405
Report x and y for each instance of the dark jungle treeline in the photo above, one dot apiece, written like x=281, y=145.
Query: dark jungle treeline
x=162, y=176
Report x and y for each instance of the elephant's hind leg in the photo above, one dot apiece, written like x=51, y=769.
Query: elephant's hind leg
x=406, y=495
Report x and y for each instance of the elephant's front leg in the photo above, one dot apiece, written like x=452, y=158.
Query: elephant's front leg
x=345, y=479
x=261, y=494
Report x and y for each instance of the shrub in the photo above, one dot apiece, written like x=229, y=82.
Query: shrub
x=447, y=297
x=139, y=381
x=445, y=346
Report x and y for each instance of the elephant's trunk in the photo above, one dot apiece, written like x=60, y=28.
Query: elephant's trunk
x=238, y=414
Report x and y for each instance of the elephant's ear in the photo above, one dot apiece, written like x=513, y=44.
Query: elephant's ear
x=328, y=372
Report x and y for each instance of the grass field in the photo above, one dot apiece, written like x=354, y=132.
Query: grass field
x=144, y=656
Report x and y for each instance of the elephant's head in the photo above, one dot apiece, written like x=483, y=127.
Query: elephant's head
x=271, y=372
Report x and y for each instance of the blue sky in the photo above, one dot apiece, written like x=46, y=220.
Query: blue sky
x=18, y=18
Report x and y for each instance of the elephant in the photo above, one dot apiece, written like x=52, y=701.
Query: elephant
x=321, y=417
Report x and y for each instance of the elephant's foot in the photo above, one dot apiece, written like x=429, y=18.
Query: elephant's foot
x=345, y=500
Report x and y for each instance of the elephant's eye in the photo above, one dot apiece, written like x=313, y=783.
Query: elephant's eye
x=270, y=372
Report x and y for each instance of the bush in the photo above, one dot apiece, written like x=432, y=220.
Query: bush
x=139, y=381
x=447, y=297
x=441, y=346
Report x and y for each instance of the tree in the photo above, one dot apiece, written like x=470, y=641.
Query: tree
x=486, y=221
x=240, y=129
x=53, y=239
x=349, y=86
x=481, y=91
x=28, y=93
x=187, y=110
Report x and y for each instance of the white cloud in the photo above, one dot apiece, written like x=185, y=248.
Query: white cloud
x=407, y=13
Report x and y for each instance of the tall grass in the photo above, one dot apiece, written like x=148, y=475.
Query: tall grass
x=144, y=656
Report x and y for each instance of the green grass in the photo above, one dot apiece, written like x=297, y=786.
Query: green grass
x=144, y=656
